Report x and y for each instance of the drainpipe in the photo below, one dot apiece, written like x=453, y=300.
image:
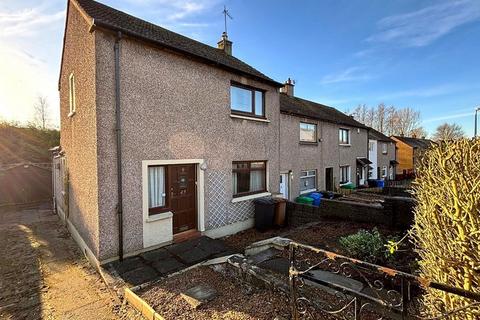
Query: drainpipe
x=119, y=145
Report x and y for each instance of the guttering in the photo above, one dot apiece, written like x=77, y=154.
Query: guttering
x=119, y=145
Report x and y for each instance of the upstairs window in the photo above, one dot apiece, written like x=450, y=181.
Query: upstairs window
x=247, y=101
x=344, y=136
x=308, y=132
x=71, y=94
x=248, y=177
x=384, y=148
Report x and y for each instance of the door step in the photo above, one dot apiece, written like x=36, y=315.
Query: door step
x=186, y=235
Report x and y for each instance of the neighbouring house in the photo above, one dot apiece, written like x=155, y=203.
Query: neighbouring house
x=162, y=137
x=409, y=152
x=321, y=148
x=382, y=154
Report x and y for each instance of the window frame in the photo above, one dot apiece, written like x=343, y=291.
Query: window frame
x=314, y=141
x=382, y=171
x=340, y=137
x=252, y=94
x=308, y=176
x=349, y=175
x=72, y=95
x=384, y=148
x=249, y=169
x=166, y=207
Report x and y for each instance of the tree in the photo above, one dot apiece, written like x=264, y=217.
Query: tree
x=447, y=132
x=41, y=112
x=419, y=132
x=408, y=120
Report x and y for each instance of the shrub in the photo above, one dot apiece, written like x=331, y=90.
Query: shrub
x=365, y=245
x=446, y=230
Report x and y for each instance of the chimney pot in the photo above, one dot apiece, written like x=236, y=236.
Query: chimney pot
x=225, y=44
x=288, y=87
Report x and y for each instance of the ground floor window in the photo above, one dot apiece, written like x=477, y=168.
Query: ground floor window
x=157, y=197
x=308, y=181
x=384, y=172
x=391, y=172
x=344, y=174
x=248, y=177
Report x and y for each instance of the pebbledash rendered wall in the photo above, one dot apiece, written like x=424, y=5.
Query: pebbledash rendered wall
x=326, y=153
x=78, y=134
x=173, y=108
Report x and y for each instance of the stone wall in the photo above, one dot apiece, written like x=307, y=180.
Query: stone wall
x=395, y=212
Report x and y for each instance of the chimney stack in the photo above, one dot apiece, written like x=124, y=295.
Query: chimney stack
x=288, y=87
x=225, y=44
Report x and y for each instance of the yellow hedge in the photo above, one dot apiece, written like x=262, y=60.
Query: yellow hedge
x=447, y=221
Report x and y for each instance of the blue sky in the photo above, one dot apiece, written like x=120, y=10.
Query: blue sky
x=419, y=54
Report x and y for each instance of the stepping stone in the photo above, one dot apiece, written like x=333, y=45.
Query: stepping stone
x=168, y=265
x=127, y=265
x=156, y=255
x=212, y=246
x=181, y=247
x=139, y=276
x=199, y=295
x=193, y=256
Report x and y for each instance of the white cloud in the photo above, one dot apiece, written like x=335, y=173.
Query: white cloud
x=433, y=91
x=422, y=27
x=26, y=22
x=450, y=116
x=347, y=75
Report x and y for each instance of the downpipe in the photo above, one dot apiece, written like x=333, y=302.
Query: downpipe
x=119, y=146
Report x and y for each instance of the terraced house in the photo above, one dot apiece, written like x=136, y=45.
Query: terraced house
x=321, y=148
x=164, y=138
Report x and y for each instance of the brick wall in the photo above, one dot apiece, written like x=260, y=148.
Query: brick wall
x=395, y=212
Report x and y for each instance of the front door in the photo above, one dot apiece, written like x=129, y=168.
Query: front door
x=284, y=185
x=183, y=196
x=329, y=179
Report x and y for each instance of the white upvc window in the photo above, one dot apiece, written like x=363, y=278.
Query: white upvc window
x=157, y=196
x=308, y=132
x=344, y=174
x=308, y=181
x=344, y=136
x=384, y=148
x=71, y=94
x=384, y=172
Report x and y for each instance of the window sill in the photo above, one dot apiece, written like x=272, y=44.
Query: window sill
x=251, y=196
x=71, y=114
x=308, y=143
x=159, y=216
x=308, y=191
x=236, y=116
x=345, y=144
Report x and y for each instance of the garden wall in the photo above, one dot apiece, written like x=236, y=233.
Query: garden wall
x=395, y=212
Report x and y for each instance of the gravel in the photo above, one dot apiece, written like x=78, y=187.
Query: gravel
x=231, y=302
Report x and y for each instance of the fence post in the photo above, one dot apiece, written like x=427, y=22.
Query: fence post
x=291, y=281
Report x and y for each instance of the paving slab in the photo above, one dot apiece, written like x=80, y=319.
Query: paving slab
x=168, y=265
x=140, y=275
x=199, y=295
x=278, y=265
x=156, y=255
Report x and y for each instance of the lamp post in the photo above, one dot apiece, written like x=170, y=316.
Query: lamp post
x=476, y=110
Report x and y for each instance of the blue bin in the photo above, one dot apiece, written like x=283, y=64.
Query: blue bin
x=380, y=183
x=317, y=198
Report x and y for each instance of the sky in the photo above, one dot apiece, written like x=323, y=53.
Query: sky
x=406, y=53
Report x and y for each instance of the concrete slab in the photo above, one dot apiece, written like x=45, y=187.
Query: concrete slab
x=195, y=255
x=127, y=265
x=264, y=255
x=330, y=277
x=278, y=265
x=140, y=275
x=199, y=295
x=168, y=265
x=156, y=255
